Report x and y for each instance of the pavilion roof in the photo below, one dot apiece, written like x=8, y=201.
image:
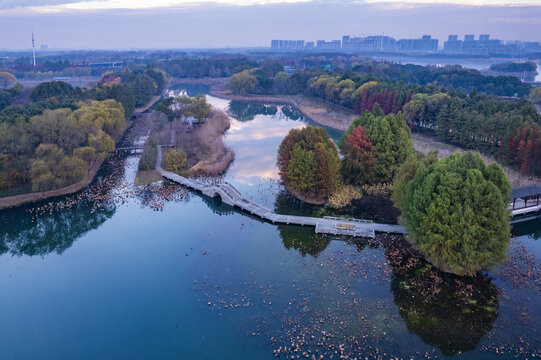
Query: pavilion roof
x=527, y=190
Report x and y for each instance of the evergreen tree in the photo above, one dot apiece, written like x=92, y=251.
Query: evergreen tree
x=456, y=213
x=301, y=171
x=308, y=163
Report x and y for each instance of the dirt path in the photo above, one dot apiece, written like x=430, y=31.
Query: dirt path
x=150, y=104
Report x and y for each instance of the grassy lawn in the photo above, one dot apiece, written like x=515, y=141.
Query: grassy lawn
x=147, y=177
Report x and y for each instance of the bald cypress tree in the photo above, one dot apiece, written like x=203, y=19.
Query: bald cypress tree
x=308, y=163
x=456, y=213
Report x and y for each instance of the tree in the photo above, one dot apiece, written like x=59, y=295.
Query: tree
x=199, y=107
x=52, y=89
x=101, y=142
x=407, y=172
x=6, y=80
x=46, y=158
x=243, y=82
x=301, y=171
x=160, y=78
x=143, y=89
x=308, y=163
x=390, y=137
x=70, y=170
x=456, y=213
x=87, y=154
x=174, y=160
x=535, y=95
x=359, y=158
x=54, y=127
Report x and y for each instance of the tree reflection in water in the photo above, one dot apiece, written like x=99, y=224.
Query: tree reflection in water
x=291, y=113
x=447, y=311
x=22, y=234
x=246, y=111
x=303, y=239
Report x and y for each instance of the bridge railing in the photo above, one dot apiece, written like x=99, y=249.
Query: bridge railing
x=362, y=221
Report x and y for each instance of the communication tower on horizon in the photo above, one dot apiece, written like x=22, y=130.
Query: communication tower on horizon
x=33, y=50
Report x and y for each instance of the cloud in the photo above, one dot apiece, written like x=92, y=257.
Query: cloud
x=408, y=3
x=212, y=25
x=55, y=6
x=59, y=6
x=11, y=4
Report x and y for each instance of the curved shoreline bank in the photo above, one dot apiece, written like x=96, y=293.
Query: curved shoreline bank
x=21, y=199
x=329, y=115
x=313, y=110
x=17, y=200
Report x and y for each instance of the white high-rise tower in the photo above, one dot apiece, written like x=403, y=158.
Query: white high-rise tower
x=33, y=50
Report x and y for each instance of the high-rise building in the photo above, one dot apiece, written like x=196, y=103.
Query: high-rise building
x=484, y=37
x=469, y=37
x=452, y=45
x=287, y=44
x=329, y=45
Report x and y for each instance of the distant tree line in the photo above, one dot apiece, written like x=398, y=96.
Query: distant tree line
x=505, y=129
x=509, y=66
x=132, y=89
x=198, y=68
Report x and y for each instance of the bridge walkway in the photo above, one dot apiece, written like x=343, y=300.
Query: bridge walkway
x=325, y=225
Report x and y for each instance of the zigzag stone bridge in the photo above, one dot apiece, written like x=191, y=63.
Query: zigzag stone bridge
x=325, y=225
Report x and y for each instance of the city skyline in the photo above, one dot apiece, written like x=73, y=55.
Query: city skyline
x=220, y=24
x=469, y=44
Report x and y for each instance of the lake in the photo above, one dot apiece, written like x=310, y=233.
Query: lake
x=159, y=272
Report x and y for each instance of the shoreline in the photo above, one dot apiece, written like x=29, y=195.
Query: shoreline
x=219, y=161
x=328, y=115
x=311, y=109
x=21, y=199
x=208, y=138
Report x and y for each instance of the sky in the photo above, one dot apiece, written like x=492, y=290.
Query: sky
x=156, y=24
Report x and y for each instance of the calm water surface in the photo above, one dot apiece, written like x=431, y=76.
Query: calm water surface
x=108, y=277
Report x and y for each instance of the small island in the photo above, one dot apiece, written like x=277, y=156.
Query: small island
x=193, y=131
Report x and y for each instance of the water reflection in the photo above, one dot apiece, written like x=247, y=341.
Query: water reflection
x=255, y=144
x=217, y=206
x=292, y=113
x=450, y=312
x=530, y=227
x=191, y=89
x=22, y=234
x=245, y=111
x=303, y=239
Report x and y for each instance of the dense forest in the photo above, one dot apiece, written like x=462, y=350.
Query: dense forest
x=58, y=147
x=204, y=67
x=62, y=133
x=472, y=120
